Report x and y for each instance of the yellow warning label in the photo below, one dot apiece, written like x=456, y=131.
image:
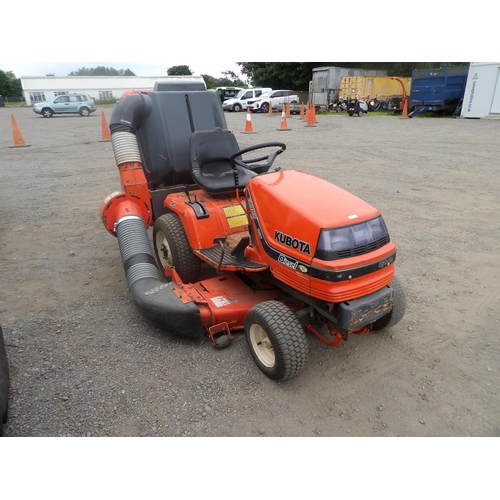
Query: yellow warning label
x=235, y=216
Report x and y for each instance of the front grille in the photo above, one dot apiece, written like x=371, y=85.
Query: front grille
x=362, y=249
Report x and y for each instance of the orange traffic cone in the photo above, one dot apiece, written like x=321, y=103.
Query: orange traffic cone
x=288, y=110
x=313, y=108
x=248, y=125
x=301, y=116
x=310, y=116
x=18, y=138
x=270, y=112
x=106, y=137
x=283, y=125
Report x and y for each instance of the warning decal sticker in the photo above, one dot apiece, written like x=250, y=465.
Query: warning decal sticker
x=220, y=301
x=235, y=216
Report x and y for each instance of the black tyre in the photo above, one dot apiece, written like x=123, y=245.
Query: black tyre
x=172, y=248
x=4, y=384
x=265, y=108
x=84, y=111
x=398, y=307
x=47, y=113
x=276, y=339
x=237, y=108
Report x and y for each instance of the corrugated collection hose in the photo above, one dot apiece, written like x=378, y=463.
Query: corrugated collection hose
x=135, y=249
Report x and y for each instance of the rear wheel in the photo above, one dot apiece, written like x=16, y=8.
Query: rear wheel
x=398, y=307
x=172, y=248
x=84, y=111
x=47, y=113
x=276, y=340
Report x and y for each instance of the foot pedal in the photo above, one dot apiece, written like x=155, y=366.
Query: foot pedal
x=239, y=250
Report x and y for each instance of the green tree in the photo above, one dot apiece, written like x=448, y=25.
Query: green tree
x=210, y=82
x=228, y=79
x=179, y=70
x=102, y=71
x=10, y=86
x=296, y=75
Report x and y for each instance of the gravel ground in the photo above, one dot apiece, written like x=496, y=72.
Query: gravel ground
x=84, y=362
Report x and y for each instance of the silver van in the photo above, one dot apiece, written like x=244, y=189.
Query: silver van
x=244, y=98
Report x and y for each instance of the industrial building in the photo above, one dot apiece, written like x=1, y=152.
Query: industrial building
x=101, y=88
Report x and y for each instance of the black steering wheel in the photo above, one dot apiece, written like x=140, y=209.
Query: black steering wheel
x=267, y=159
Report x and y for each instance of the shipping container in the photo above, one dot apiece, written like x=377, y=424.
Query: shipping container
x=325, y=84
x=482, y=91
x=381, y=87
x=437, y=90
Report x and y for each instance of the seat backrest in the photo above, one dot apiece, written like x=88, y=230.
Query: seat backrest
x=163, y=136
x=210, y=152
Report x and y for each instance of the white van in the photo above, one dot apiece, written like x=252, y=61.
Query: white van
x=244, y=98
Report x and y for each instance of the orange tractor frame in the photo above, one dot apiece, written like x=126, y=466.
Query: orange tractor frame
x=289, y=253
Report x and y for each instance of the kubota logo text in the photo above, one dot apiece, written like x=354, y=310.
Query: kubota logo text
x=294, y=243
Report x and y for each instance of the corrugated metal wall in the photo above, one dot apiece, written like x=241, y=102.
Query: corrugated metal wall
x=381, y=87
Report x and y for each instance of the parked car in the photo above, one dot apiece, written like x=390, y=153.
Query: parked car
x=227, y=92
x=82, y=104
x=243, y=99
x=274, y=98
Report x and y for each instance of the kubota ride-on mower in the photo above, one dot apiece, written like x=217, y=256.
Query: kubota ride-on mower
x=291, y=253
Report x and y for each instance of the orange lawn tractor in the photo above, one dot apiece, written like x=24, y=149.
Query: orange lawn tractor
x=291, y=254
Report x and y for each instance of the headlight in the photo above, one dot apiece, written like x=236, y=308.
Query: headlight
x=352, y=240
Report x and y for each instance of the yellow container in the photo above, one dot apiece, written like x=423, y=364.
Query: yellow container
x=381, y=87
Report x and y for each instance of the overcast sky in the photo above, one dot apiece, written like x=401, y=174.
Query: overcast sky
x=161, y=35
x=39, y=68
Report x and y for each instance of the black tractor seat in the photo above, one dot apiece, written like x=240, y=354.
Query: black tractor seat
x=211, y=167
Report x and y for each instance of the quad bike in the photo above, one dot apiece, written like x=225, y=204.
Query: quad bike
x=372, y=104
x=338, y=105
x=356, y=107
x=290, y=252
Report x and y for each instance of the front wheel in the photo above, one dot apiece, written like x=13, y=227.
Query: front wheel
x=47, y=113
x=398, y=307
x=172, y=248
x=265, y=107
x=237, y=108
x=276, y=340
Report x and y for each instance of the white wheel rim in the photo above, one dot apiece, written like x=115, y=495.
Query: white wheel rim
x=164, y=252
x=262, y=346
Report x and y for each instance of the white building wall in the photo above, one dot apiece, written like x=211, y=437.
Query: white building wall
x=92, y=85
x=482, y=91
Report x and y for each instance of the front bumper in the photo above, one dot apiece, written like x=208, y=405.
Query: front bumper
x=354, y=314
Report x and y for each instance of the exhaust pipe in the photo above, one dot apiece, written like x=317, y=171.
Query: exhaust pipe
x=127, y=215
